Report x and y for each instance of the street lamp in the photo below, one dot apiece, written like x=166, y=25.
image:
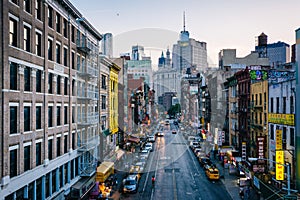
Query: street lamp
x=287, y=168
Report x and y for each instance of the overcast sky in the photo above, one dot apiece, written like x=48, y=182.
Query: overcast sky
x=222, y=24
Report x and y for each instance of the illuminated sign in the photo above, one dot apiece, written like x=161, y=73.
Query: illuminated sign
x=278, y=139
x=285, y=119
x=279, y=165
x=258, y=75
x=261, y=147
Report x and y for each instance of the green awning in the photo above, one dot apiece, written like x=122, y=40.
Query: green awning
x=106, y=132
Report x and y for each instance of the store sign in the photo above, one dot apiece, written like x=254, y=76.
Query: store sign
x=193, y=89
x=258, y=75
x=278, y=139
x=285, y=119
x=261, y=147
x=279, y=165
x=244, y=151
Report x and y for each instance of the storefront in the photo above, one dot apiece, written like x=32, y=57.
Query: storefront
x=81, y=189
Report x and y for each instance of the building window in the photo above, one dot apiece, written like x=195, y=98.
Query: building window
x=13, y=162
x=272, y=105
x=58, y=53
x=27, y=5
x=50, y=146
x=272, y=131
x=38, y=9
x=50, y=44
x=65, y=86
x=265, y=101
x=27, y=78
x=65, y=28
x=73, y=60
x=50, y=17
x=66, y=144
x=58, y=115
x=103, y=103
x=38, y=81
x=50, y=77
x=38, y=113
x=291, y=105
x=57, y=146
x=26, y=38
x=284, y=105
x=50, y=116
x=13, y=76
x=260, y=99
x=57, y=21
x=103, y=81
x=284, y=138
x=15, y=2
x=13, y=119
x=27, y=118
x=58, y=84
x=65, y=114
x=277, y=104
x=38, y=153
x=292, y=136
x=73, y=114
x=73, y=34
x=13, y=33
x=65, y=56
x=38, y=44
x=78, y=62
x=26, y=158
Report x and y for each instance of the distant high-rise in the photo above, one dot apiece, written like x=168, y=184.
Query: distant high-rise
x=137, y=52
x=189, y=52
x=107, y=45
x=278, y=53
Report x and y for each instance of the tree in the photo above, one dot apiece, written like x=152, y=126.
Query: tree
x=174, y=110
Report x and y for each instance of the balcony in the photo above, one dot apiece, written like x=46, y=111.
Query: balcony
x=84, y=45
x=88, y=144
x=88, y=94
x=88, y=70
x=88, y=119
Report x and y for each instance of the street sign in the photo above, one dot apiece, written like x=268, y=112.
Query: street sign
x=278, y=139
x=279, y=165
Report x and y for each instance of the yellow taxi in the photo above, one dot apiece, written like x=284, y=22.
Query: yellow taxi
x=212, y=173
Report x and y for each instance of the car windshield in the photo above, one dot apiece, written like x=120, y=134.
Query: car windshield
x=129, y=182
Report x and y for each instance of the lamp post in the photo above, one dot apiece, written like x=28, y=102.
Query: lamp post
x=287, y=168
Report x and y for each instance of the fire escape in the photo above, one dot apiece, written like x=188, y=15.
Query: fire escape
x=87, y=105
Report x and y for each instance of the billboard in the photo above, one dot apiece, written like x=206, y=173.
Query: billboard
x=278, y=140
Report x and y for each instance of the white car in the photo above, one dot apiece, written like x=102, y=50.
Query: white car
x=130, y=184
x=151, y=139
x=149, y=147
x=145, y=153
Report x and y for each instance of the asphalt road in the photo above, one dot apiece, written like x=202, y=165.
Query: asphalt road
x=178, y=173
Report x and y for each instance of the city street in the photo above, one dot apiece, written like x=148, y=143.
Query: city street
x=177, y=172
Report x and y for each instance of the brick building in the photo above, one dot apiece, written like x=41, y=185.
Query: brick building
x=49, y=127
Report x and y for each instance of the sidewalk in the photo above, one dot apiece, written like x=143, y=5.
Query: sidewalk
x=230, y=183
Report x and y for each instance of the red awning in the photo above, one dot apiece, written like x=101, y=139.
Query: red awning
x=134, y=139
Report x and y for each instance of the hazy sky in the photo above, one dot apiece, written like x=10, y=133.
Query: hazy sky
x=222, y=24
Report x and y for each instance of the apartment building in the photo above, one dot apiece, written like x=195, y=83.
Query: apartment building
x=49, y=127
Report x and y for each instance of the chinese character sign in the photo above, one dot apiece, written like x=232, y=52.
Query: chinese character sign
x=279, y=165
x=278, y=139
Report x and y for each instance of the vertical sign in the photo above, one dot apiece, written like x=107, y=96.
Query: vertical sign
x=278, y=139
x=261, y=147
x=243, y=151
x=279, y=165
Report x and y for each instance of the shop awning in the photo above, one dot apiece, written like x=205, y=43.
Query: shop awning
x=119, y=153
x=106, y=132
x=134, y=139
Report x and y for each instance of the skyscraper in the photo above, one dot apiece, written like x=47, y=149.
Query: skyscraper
x=189, y=52
x=107, y=45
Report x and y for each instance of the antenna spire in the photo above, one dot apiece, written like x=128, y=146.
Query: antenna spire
x=183, y=20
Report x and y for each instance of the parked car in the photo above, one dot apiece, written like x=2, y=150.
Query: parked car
x=151, y=139
x=145, y=153
x=130, y=184
x=204, y=161
x=149, y=147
